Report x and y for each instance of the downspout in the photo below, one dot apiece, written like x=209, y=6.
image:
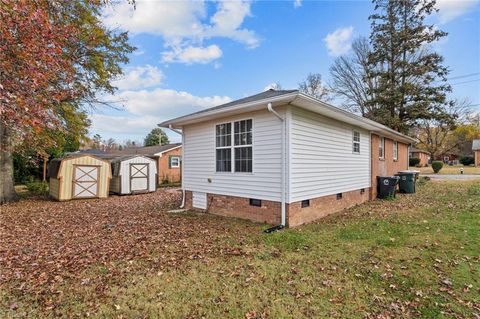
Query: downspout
x=283, y=173
x=181, y=165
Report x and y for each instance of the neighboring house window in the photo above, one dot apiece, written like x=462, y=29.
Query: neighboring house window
x=395, y=150
x=356, y=142
x=174, y=161
x=240, y=143
x=381, y=148
x=223, y=136
x=243, y=146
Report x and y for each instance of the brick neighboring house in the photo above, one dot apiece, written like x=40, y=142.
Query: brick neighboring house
x=476, y=151
x=283, y=157
x=424, y=156
x=168, y=159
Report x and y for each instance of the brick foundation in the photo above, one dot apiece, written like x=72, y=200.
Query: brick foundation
x=270, y=212
x=323, y=206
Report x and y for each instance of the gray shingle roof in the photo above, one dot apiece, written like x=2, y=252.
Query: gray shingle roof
x=476, y=145
x=252, y=98
x=147, y=150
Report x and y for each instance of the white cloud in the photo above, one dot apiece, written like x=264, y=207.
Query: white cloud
x=183, y=24
x=190, y=55
x=451, y=9
x=166, y=103
x=146, y=108
x=339, y=41
x=166, y=18
x=227, y=22
x=140, y=77
x=297, y=3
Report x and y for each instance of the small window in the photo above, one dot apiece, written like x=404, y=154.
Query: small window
x=174, y=161
x=381, y=148
x=255, y=202
x=339, y=196
x=395, y=150
x=362, y=191
x=356, y=142
x=305, y=203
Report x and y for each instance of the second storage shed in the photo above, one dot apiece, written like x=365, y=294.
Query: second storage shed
x=79, y=176
x=133, y=174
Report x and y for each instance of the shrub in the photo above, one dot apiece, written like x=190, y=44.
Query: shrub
x=36, y=187
x=437, y=166
x=413, y=161
x=467, y=160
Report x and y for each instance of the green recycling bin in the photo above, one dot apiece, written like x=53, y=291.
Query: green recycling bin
x=406, y=184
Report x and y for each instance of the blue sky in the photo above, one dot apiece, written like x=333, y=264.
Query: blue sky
x=194, y=55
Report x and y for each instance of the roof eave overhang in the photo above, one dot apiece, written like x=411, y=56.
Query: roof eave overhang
x=309, y=103
x=298, y=99
x=228, y=111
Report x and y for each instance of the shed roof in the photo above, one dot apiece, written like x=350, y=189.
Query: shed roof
x=476, y=145
x=55, y=164
x=147, y=150
x=282, y=97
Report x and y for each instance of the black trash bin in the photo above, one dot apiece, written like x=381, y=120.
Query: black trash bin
x=386, y=186
x=406, y=183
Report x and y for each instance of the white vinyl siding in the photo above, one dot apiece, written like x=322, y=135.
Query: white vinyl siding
x=321, y=159
x=199, y=155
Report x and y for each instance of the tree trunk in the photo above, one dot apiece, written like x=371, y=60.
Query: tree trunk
x=7, y=190
x=45, y=160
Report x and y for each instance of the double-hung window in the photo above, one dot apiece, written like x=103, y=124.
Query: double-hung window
x=381, y=148
x=223, y=136
x=395, y=150
x=236, y=147
x=356, y=142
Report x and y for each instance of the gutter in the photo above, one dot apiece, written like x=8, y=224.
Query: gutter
x=283, y=180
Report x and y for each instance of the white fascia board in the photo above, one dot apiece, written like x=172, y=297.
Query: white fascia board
x=228, y=111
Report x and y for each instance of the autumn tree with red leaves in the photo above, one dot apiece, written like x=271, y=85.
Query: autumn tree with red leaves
x=52, y=54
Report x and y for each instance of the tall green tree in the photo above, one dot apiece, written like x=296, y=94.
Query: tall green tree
x=52, y=53
x=156, y=137
x=410, y=78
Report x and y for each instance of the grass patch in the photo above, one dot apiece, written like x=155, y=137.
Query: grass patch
x=415, y=257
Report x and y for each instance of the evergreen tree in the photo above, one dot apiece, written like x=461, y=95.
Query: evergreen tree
x=411, y=80
x=156, y=137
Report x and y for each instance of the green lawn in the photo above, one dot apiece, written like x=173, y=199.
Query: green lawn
x=417, y=256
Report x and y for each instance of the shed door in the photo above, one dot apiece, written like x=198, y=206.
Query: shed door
x=199, y=200
x=85, y=181
x=138, y=177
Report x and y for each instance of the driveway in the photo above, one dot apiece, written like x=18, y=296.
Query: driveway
x=452, y=177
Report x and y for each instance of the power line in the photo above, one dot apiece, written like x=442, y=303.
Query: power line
x=463, y=76
x=465, y=82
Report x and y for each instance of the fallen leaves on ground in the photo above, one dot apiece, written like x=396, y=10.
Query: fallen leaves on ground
x=45, y=243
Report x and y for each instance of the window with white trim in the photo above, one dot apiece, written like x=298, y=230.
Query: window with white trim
x=395, y=150
x=223, y=137
x=239, y=143
x=381, y=148
x=356, y=142
x=174, y=161
x=243, y=146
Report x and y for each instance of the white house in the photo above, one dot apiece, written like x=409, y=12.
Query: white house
x=283, y=157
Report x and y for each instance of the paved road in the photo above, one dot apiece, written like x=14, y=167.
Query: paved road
x=452, y=177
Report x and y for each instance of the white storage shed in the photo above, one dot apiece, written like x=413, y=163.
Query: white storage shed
x=133, y=174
